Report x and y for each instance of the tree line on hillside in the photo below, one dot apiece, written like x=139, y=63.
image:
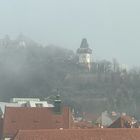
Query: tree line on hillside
x=36, y=71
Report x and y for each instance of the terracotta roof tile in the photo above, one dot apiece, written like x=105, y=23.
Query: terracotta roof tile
x=79, y=134
x=33, y=118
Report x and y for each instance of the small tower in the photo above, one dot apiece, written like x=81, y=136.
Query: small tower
x=57, y=104
x=84, y=54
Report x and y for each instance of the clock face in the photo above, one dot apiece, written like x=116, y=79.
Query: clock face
x=84, y=58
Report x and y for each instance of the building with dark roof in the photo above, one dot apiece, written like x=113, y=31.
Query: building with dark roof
x=124, y=122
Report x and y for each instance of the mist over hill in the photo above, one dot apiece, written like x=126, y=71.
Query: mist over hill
x=28, y=69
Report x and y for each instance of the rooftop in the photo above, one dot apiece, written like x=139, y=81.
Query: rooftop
x=33, y=118
x=79, y=134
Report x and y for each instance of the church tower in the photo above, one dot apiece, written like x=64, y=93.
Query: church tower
x=85, y=54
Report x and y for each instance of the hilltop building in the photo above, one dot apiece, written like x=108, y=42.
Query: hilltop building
x=84, y=54
x=20, y=42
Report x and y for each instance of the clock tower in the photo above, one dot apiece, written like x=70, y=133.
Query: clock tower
x=84, y=54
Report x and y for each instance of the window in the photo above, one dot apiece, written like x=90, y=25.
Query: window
x=39, y=105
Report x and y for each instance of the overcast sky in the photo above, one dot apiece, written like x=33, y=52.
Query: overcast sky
x=112, y=27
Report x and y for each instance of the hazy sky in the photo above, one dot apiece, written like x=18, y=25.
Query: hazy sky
x=112, y=27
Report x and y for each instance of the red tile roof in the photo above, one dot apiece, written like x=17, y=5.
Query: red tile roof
x=33, y=118
x=79, y=134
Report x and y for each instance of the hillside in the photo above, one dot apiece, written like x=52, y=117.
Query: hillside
x=36, y=71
